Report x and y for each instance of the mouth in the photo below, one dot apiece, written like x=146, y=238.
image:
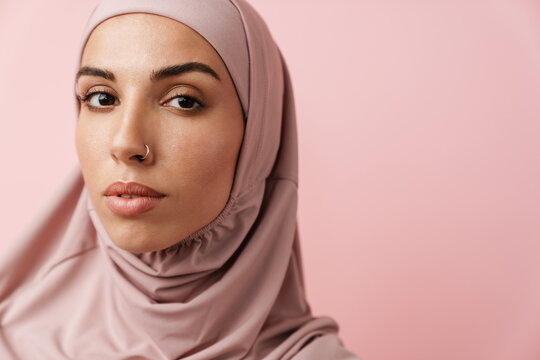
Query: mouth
x=131, y=189
x=131, y=198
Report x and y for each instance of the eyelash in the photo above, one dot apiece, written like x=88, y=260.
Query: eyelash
x=86, y=98
x=200, y=104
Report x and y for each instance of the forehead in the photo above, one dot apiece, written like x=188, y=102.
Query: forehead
x=146, y=41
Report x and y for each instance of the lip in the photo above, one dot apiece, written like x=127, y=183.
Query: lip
x=145, y=198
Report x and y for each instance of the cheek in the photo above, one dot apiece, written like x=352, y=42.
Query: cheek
x=89, y=151
x=208, y=155
x=82, y=145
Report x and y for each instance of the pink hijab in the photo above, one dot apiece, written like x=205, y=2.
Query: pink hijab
x=232, y=290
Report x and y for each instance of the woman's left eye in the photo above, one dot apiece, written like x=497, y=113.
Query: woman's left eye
x=184, y=102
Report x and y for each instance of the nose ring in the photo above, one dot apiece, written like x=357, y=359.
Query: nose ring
x=142, y=158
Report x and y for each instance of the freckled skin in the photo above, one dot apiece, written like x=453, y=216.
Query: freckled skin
x=193, y=149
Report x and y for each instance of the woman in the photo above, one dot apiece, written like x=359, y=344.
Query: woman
x=179, y=239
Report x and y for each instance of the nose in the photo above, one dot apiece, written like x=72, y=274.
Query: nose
x=130, y=142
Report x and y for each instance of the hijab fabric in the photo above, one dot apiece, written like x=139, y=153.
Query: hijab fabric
x=232, y=290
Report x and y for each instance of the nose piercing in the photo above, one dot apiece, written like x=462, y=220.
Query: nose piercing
x=142, y=158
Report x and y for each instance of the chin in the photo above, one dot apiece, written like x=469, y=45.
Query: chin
x=139, y=241
x=151, y=234
x=135, y=246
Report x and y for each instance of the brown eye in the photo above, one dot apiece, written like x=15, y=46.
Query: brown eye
x=105, y=99
x=184, y=102
x=100, y=99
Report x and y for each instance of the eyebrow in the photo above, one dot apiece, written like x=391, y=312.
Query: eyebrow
x=158, y=75
x=174, y=70
x=92, y=71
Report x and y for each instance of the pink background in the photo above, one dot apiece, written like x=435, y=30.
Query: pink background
x=419, y=126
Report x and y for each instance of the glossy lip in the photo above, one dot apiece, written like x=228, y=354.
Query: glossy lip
x=146, y=198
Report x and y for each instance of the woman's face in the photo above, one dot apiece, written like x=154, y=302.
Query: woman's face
x=147, y=79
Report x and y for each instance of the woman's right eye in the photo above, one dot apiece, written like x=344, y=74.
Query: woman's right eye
x=99, y=99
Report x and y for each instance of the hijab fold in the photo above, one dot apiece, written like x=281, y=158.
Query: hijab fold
x=232, y=290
